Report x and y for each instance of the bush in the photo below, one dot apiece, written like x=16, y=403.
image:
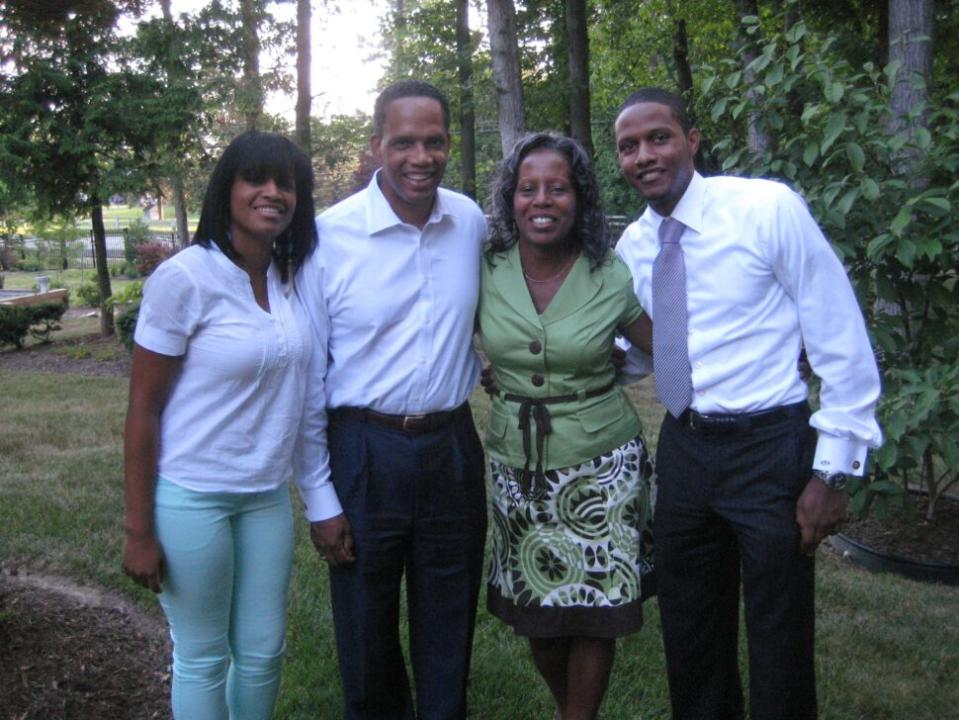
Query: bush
x=126, y=323
x=17, y=321
x=135, y=235
x=89, y=294
x=149, y=255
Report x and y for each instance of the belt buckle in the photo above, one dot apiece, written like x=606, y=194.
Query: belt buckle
x=414, y=419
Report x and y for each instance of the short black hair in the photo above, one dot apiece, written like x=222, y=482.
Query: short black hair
x=403, y=89
x=590, y=230
x=674, y=101
x=256, y=157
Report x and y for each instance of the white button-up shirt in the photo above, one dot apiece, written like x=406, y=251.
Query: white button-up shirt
x=401, y=303
x=233, y=416
x=761, y=281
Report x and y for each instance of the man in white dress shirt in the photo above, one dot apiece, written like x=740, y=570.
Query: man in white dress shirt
x=749, y=482
x=398, y=268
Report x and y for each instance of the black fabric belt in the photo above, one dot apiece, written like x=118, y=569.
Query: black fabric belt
x=410, y=424
x=731, y=424
x=535, y=409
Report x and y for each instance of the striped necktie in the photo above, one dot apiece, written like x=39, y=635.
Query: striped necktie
x=674, y=382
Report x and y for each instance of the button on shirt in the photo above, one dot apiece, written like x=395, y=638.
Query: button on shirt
x=401, y=303
x=233, y=416
x=762, y=280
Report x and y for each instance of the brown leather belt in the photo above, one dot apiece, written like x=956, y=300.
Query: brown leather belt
x=410, y=424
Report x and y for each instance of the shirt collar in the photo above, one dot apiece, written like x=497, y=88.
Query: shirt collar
x=381, y=216
x=689, y=209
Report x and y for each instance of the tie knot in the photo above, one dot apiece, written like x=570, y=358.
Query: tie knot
x=670, y=230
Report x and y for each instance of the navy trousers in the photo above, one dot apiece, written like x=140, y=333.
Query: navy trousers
x=725, y=514
x=417, y=505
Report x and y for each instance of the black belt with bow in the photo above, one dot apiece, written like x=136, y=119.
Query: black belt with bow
x=536, y=409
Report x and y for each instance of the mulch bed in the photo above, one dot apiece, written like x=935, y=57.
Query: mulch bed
x=63, y=658
x=55, y=357
x=912, y=537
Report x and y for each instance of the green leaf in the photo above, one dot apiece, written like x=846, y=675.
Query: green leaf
x=906, y=252
x=847, y=201
x=834, y=92
x=940, y=202
x=870, y=188
x=774, y=76
x=877, y=244
x=885, y=487
x=895, y=426
x=719, y=107
x=899, y=223
x=857, y=158
x=810, y=152
x=732, y=80
x=835, y=126
x=886, y=457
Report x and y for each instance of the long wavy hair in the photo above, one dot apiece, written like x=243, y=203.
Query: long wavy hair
x=256, y=157
x=590, y=232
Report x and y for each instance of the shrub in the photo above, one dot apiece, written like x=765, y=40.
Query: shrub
x=89, y=294
x=135, y=235
x=17, y=321
x=126, y=323
x=149, y=255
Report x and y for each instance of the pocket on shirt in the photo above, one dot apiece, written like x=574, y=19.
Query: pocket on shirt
x=601, y=414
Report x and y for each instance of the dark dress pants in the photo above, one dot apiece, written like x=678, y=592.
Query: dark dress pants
x=727, y=504
x=416, y=504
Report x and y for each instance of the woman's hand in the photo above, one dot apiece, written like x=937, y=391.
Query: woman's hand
x=143, y=560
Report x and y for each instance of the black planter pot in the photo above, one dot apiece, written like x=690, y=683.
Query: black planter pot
x=878, y=561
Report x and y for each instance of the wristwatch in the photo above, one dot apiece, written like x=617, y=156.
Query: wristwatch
x=833, y=480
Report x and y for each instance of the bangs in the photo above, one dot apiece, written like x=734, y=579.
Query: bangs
x=267, y=159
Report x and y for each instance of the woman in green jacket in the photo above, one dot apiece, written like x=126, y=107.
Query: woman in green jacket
x=570, y=475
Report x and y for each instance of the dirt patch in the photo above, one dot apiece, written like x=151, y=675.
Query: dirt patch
x=912, y=537
x=89, y=355
x=69, y=652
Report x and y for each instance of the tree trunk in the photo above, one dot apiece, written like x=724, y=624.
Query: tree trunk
x=103, y=267
x=758, y=140
x=251, y=99
x=303, y=95
x=910, y=42
x=506, y=73
x=577, y=40
x=684, y=75
x=464, y=67
x=179, y=206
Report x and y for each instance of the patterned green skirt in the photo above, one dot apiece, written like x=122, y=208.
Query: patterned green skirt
x=567, y=558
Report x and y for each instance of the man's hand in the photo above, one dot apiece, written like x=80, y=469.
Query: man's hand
x=488, y=381
x=333, y=539
x=819, y=513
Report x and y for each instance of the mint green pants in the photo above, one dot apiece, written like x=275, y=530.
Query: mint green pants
x=227, y=559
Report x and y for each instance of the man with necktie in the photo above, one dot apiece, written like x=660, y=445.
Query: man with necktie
x=737, y=277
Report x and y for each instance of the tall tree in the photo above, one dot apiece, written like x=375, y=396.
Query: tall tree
x=174, y=71
x=464, y=64
x=72, y=125
x=577, y=40
x=506, y=72
x=910, y=46
x=304, y=96
x=252, y=96
x=758, y=139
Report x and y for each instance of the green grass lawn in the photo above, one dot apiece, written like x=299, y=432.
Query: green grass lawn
x=888, y=648
x=70, y=279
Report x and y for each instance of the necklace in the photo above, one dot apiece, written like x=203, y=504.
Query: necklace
x=562, y=270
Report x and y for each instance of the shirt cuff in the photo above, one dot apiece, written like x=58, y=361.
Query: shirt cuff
x=321, y=502
x=840, y=455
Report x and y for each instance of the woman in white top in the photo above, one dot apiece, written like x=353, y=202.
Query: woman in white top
x=217, y=394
